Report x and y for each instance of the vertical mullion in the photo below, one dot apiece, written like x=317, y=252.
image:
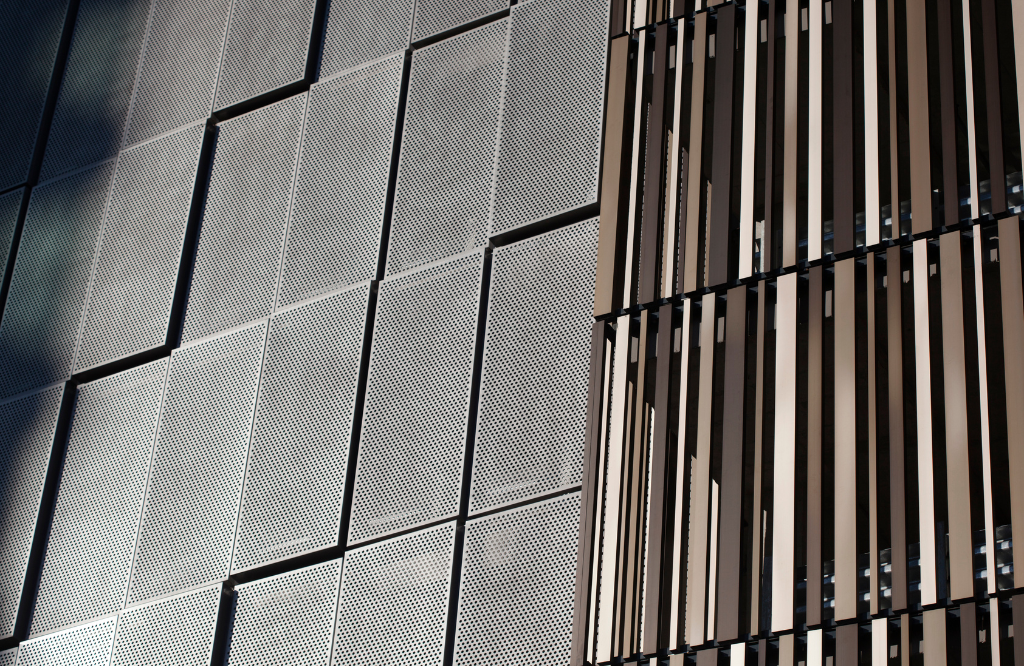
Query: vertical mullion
x=986, y=444
x=950, y=196
x=693, y=186
x=784, y=504
x=676, y=166
x=842, y=126
x=814, y=571
x=872, y=195
x=756, y=524
x=923, y=383
x=897, y=480
x=997, y=170
x=769, y=139
x=845, y=314
x=749, y=150
x=874, y=569
x=654, y=172
x=680, y=543
x=814, y=98
x=972, y=141
x=1013, y=357
x=721, y=176
x=894, y=161
x=917, y=112
x=629, y=287
x=790, y=131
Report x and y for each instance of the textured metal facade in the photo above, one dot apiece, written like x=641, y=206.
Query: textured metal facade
x=177, y=630
x=87, y=645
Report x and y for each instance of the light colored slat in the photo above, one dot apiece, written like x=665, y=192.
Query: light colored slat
x=814, y=648
x=872, y=196
x=814, y=90
x=629, y=287
x=934, y=647
x=789, y=154
x=668, y=253
x=986, y=453
x=681, y=479
x=972, y=154
x=923, y=392
x=917, y=112
x=757, y=526
x=1013, y=358
x=784, y=503
x=693, y=187
x=879, y=642
x=750, y=42
x=713, y=562
x=872, y=445
x=845, y=314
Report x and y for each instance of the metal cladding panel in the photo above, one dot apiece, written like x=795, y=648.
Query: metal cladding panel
x=359, y=31
x=46, y=301
x=243, y=227
x=409, y=470
x=171, y=632
x=188, y=520
x=10, y=206
x=102, y=484
x=436, y=16
x=140, y=249
x=518, y=575
x=179, y=66
x=552, y=112
x=88, y=645
x=533, y=395
x=96, y=90
x=9, y=657
x=295, y=476
x=396, y=593
x=287, y=619
x=443, y=192
x=342, y=186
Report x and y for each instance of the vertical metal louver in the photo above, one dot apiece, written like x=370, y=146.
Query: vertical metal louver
x=435, y=16
x=176, y=630
x=87, y=645
x=10, y=206
x=360, y=31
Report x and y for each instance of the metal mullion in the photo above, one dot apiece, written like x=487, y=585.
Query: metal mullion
x=842, y=126
x=694, y=189
x=721, y=168
x=814, y=468
x=845, y=480
x=897, y=481
x=1013, y=358
x=918, y=118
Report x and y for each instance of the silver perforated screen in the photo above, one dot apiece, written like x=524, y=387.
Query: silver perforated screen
x=92, y=537
x=342, y=187
x=396, y=593
x=443, y=192
x=409, y=469
x=518, y=575
x=188, y=522
x=436, y=16
x=287, y=619
x=359, y=31
x=10, y=206
x=140, y=249
x=9, y=657
x=242, y=232
x=533, y=395
x=553, y=106
x=170, y=632
x=87, y=645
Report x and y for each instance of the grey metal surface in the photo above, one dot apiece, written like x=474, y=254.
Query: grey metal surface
x=140, y=250
x=92, y=537
x=9, y=657
x=553, y=109
x=342, y=186
x=87, y=645
x=360, y=31
x=10, y=206
x=188, y=520
x=518, y=575
x=175, y=631
x=241, y=236
x=437, y=16
x=409, y=469
x=396, y=593
x=295, y=477
x=266, y=48
x=533, y=395
x=286, y=619
x=443, y=193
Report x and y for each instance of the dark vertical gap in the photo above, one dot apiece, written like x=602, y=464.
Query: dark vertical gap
x=844, y=118
x=949, y=196
x=735, y=188
x=771, y=94
x=828, y=185
x=684, y=40
x=862, y=492
x=800, y=506
x=707, y=159
x=938, y=400
x=910, y=425
x=762, y=174
x=747, y=547
x=717, y=414
x=859, y=139
x=883, y=487
x=1007, y=77
x=688, y=440
x=901, y=217
x=960, y=83
x=802, y=136
x=12, y=252
x=828, y=441
x=885, y=137
x=936, y=54
x=396, y=149
x=768, y=452
x=317, y=33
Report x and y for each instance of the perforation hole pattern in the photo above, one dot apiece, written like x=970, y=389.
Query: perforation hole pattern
x=359, y=31
x=553, y=105
x=286, y=619
x=518, y=578
x=409, y=469
x=171, y=632
x=188, y=521
x=51, y=276
x=295, y=478
x=140, y=250
x=342, y=186
x=9, y=657
x=436, y=16
x=443, y=192
x=87, y=645
x=10, y=206
x=396, y=593
x=533, y=395
x=243, y=225
x=92, y=537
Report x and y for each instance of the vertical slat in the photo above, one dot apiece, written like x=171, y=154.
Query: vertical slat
x=673, y=233
x=1013, y=355
x=880, y=642
x=654, y=172
x=751, y=38
x=993, y=109
x=972, y=141
x=721, y=174
x=814, y=648
x=897, y=483
x=872, y=196
x=1018, y=614
x=917, y=117
x=693, y=186
x=769, y=138
x=935, y=637
x=784, y=503
x=814, y=571
x=787, y=650
x=816, y=12
x=986, y=452
x=874, y=570
x=682, y=503
x=845, y=479
x=968, y=635
x=842, y=126
x=1018, y=49
x=905, y=640
x=846, y=642
x=756, y=525
x=713, y=560
x=629, y=287
x=790, y=129
x=707, y=657
x=923, y=392
x=950, y=197
x=894, y=176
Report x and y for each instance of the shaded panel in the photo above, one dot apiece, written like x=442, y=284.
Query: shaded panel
x=845, y=441
x=88, y=645
x=178, y=630
x=437, y=16
x=917, y=117
x=1012, y=312
x=10, y=206
x=359, y=31
x=923, y=394
x=9, y=657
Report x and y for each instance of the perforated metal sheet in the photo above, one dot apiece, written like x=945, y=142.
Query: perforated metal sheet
x=518, y=575
x=10, y=206
x=533, y=395
x=51, y=276
x=96, y=89
x=92, y=537
x=9, y=657
x=553, y=108
x=188, y=520
x=88, y=645
x=436, y=16
x=26, y=440
x=140, y=251
x=409, y=470
x=443, y=193
x=342, y=187
x=179, y=66
x=287, y=619
x=170, y=632
x=360, y=31
x=242, y=232
x=295, y=477
x=396, y=593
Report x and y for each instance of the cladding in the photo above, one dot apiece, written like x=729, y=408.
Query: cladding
x=360, y=31
x=9, y=657
x=443, y=191
x=435, y=16
x=88, y=645
x=169, y=632
x=243, y=225
x=343, y=175
x=10, y=207
x=102, y=484
x=188, y=519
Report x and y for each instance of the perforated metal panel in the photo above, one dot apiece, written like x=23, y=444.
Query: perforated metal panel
x=242, y=232
x=26, y=440
x=395, y=593
x=409, y=470
x=342, y=186
x=267, y=44
x=287, y=619
x=96, y=89
x=443, y=193
x=10, y=206
x=295, y=477
x=436, y=16
x=533, y=395
x=88, y=645
x=170, y=632
x=179, y=66
x=140, y=251
x=553, y=106
x=51, y=277
x=518, y=575
x=360, y=31
x=92, y=537
x=9, y=657
x=188, y=520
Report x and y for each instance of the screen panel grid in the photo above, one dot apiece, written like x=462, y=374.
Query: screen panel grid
x=176, y=630
x=9, y=657
x=86, y=645
x=361, y=31
x=10, y=208
x=434, y=17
